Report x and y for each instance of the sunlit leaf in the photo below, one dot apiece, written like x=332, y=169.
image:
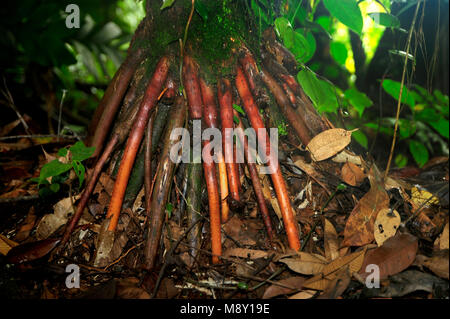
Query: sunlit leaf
x=347, y=12
x=385, y=19
x=167, y=4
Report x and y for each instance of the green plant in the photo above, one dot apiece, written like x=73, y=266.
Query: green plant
x=56, y=171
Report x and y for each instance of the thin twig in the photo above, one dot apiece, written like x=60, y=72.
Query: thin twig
x=397, y=116
x=70, y=137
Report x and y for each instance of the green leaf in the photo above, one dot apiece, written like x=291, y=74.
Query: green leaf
x=419, y=152
x=201, y=9
x=284, y=31
x=347, y=12
x=385, y=19
x=427, y=115
x=393, y=89
x=54, y=187
x=401, y=160
x=167, y=4
x=300, y=48
x=79, y=170
x=62, y=152
x=338, y=51
x=239, y=109
x=441, y=126
x=235, y=120
x=321, y=92
x=53, y=168
x=358, y=100
x=406, y=127
x=80, y=152
x=361, y=138
x=443, y=99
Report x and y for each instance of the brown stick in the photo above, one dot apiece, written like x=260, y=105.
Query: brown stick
x=277, y=178
x=226, y=116
x=164, y=178
x=150, y=99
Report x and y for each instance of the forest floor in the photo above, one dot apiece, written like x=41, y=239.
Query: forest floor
x=408, y=244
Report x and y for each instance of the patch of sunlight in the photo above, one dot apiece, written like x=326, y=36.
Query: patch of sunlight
x=130, y=12
x=372, y=32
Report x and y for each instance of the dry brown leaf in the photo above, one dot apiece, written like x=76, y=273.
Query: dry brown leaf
x=338, y=285
x=328, y=143
x=304, y=294
x=268, y=196
x=246, y=253
x=239, y=231
x=386, y=225
x=26, y=226
x=352, y=174
x=439, y=263
x=395, y=255
x=129, y=289
x=274, y=290
x=442, y=241
x=360, y=224
x=6, y=244
x=51, y=222
x=304, y=263
x=330, y=272
x=331, y=241
x=347, y=157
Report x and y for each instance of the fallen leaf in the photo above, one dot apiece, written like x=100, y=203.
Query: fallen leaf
x=328, y=143
x=304, y=294
x=26, y=226
x=395, y=255
x=237, y=230
x=407, y=282
x=6, y=244
x=330, y=272
x=52, y=222
x=386, y=225
x=352, y=174
x=304, y=263
x=360, y=224
x=421, y=196
x=31, y=251
x=442, y=241
x=246, y=253
x=338, y=285
x=438, y=263
x=331, y=241
x=295, y=282
x=347, y=157
x=128, y=289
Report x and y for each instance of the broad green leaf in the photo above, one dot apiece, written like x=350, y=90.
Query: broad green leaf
x=79, y=170
x=239, y=109
x=235, y=119
x=54, y=187
x=393, y=89
x=338, y=51
x=53, y=168
x=167, y=4
x=443, y=99
x=361, y=138
x=300, y=48
x=201, y=9
x=427, y=115
x=62, y=152
x=326, y=23
x=284, y=31
x=401, y=160
x=347, y=12
x=80, y=152
x=385, y=19
x=358, y=100
x=441, y=126
x=321, y=92
x=407, y=128
x=419, y=152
